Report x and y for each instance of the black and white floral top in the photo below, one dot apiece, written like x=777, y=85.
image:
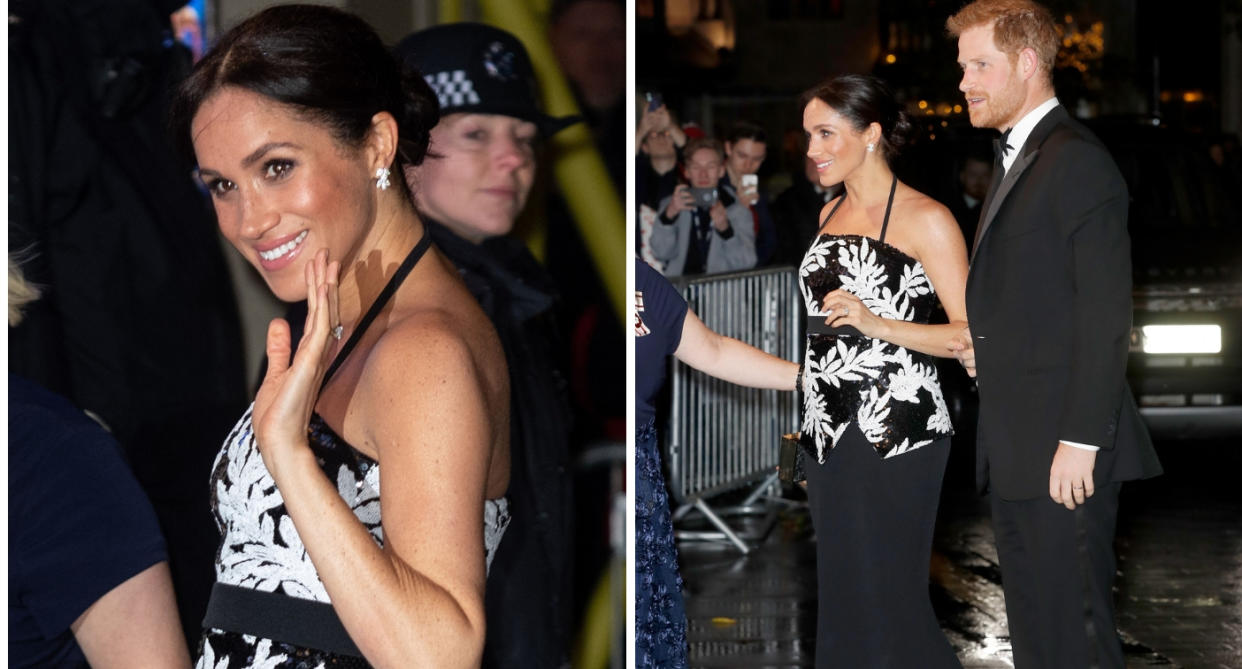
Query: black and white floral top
x=260, y=548
x=890, y=392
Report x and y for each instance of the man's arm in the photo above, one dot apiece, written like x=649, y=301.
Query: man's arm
x=1093, y=218
x=1094, y=221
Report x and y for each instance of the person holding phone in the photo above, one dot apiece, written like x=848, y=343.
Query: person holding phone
x=703, y=227
x=746, y=147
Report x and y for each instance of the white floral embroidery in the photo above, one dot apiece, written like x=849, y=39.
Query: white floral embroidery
x=888, y=377
x=260, y=547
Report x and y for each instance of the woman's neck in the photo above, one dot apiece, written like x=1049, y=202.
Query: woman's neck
x=869, y=185
x=396, y=230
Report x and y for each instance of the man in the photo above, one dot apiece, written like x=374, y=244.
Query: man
x=704, y=228
x=973, y=180
x=797, y=211
x=746, y=146
x=469, y=190
x=1048, y=300
x=659, y=141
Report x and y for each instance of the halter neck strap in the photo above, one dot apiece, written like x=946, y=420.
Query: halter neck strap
x=888, y=209
x=377, y=306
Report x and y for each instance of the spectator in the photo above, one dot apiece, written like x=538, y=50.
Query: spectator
x=88, y=573
x=659, y=140
x=745, y=147
x=973, y=180
x=703, y=227
x=796, y=213
x=657, y=168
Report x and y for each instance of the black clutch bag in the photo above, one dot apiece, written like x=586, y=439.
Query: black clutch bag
x=790, y=470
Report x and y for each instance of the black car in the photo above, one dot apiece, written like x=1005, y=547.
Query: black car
x=1185, y=365
x=1186, y=246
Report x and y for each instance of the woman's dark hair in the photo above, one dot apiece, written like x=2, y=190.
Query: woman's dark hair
x=326, y=64
x=863, y=99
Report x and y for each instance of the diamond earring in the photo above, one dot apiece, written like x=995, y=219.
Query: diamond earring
x=381, y=178
x=870, y=147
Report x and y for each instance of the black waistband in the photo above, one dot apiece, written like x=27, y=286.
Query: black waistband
x=817, y=325
x=270, y=615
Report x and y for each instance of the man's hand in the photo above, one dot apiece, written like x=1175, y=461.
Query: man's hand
x=749, y=193
x=963, y=348
x=681, y=201
x=1070, y=481
x=720, y=218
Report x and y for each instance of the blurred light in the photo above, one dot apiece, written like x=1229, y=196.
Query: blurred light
x=1181, y=339
x=1165, y=96
x=957, y=109
x=944, y=124
x=922, y=104
x=931, y=112
x=1192, y=96
x=932, y=136
x=890, y=59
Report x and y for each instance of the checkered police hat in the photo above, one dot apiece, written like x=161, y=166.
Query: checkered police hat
x=479, y=69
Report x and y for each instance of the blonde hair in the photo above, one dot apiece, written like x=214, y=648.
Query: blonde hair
x=1016, y=25
x=21, y=292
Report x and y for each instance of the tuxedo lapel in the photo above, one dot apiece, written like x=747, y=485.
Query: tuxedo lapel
x=1030, y=151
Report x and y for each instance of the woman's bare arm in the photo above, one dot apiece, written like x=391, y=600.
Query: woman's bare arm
x=134, y=624
x=729, y=359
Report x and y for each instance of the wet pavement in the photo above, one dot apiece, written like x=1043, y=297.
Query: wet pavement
x=1178, y=593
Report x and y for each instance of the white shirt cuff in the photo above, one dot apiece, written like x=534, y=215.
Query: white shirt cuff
x=1085, y=447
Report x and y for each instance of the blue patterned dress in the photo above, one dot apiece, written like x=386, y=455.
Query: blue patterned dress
x=659, y=611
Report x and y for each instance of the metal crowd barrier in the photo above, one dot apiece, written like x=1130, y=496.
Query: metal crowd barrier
x=722, y=437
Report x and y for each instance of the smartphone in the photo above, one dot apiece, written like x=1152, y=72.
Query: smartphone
x=750, y=180
x=654, y=100
x=705, y=197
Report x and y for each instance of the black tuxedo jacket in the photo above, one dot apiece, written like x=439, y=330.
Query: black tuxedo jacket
x=1049, y=305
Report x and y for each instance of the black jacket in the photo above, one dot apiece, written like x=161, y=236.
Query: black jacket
x=1049, y=305
x=529, y=597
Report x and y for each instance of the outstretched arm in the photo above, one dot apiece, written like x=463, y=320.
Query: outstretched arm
x=732, y=360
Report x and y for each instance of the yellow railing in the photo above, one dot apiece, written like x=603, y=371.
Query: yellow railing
x=579, y=169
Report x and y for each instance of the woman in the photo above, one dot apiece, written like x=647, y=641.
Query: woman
x=302, y=156
x=874, y=417
x=663, y=326
x=468, y=193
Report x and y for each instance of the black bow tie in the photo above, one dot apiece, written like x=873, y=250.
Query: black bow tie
x=1002, y=145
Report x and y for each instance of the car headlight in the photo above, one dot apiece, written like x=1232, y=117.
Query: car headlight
x=1180, y=338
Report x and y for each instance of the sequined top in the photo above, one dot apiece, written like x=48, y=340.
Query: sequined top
x=890, y=392
x=260, y=547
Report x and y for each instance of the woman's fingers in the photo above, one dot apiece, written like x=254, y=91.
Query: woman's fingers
x=279, y=344
x=334, y=295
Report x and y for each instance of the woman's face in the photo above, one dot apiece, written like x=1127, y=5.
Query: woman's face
x=477, y=175
x=833, y=144
x=282, y=187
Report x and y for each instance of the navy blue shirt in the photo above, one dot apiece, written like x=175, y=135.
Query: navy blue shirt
x=660, y=311
x=79, y=524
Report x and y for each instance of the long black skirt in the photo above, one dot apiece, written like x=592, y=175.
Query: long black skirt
x=873, y=525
